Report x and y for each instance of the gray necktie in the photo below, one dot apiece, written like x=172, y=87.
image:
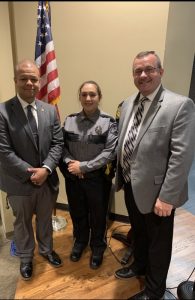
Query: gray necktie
x=131, y=138
x=32, y=123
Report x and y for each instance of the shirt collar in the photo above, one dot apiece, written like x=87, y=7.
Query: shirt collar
x=152, y=95
x=25, y=104
x=93, y=117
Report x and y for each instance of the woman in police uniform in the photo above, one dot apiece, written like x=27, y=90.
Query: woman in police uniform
x=90, y=138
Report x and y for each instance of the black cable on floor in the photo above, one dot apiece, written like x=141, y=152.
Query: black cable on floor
x=109, y=240
x=168, y=292
x=172, y=288
x=167, y=295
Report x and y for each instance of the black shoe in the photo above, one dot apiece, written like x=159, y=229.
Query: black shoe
x=76, y=252
x=140, y=296
x=96, y=261
x=127, y=272
x=122, y=238
x=26, y=270
x=53, y=258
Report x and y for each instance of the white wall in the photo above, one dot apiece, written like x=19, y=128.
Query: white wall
x=7, y=91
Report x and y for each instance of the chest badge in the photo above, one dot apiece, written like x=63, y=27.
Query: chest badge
x=98, y=130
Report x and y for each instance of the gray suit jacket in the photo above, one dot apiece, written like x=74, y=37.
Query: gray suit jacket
x=18, y=150
x=163, y=152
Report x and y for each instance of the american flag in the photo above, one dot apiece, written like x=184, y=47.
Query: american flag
x=45, y=57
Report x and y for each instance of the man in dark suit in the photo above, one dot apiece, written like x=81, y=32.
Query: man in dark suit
x=30, y=148
x=155, y=152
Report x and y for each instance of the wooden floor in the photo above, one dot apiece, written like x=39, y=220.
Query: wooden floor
x=75, y=280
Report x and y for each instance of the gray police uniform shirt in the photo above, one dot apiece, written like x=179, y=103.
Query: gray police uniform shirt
x=90, y=139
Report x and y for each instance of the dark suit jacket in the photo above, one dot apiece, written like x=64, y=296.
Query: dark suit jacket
x=163, y=152
x=18, y=150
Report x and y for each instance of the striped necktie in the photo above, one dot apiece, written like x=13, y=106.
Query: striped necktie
x=131, y=138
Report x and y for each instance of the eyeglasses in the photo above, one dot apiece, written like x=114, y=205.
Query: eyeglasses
x=90, y=94
x=147, y=71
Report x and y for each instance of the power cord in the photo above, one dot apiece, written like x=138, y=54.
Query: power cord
x=176, y=287
x=172, y=288
x=171, y=295
x=109, y=242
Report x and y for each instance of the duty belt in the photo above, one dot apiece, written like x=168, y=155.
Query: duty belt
x=95, y=173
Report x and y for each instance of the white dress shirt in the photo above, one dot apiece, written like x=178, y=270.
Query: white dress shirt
x=24, y=106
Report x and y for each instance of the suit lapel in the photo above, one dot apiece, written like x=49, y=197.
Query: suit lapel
x=155, y=106
x=41, y=120
x=21, y=118
x=126, y=115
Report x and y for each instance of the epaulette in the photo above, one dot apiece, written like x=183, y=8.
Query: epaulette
x=73, y=115
x=107, y=116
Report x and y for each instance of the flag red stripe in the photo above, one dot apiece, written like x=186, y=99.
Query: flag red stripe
x=54, y=94
x=42, y=92
x=51, y=95
x=49, y=57
x=52, y=75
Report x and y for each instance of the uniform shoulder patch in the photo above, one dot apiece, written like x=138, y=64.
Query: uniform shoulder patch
x=118, y=112
x=114, y=128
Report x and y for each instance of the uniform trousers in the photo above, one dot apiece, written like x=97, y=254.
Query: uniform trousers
x=153, y=237
x=88, y=205
x=41, y=203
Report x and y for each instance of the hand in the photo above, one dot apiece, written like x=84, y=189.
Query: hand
x=39, y=175
x=162, y=209
x=74, y=167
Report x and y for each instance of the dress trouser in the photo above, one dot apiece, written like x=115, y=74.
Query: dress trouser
x=88, y=205
x=41, y=203
x=153, y=237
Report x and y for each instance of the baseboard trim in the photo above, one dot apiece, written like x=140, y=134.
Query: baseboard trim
x=62, y=206
x=112, y=216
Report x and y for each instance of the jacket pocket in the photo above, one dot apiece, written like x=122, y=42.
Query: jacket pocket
x=156, y=129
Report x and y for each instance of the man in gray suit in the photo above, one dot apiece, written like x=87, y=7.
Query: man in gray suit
x=30, y=148
x=155, y=152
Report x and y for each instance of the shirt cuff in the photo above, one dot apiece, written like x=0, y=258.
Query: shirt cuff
x=48, y=168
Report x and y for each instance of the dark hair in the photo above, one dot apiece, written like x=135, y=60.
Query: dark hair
x=91, y=82
x=146, y=53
